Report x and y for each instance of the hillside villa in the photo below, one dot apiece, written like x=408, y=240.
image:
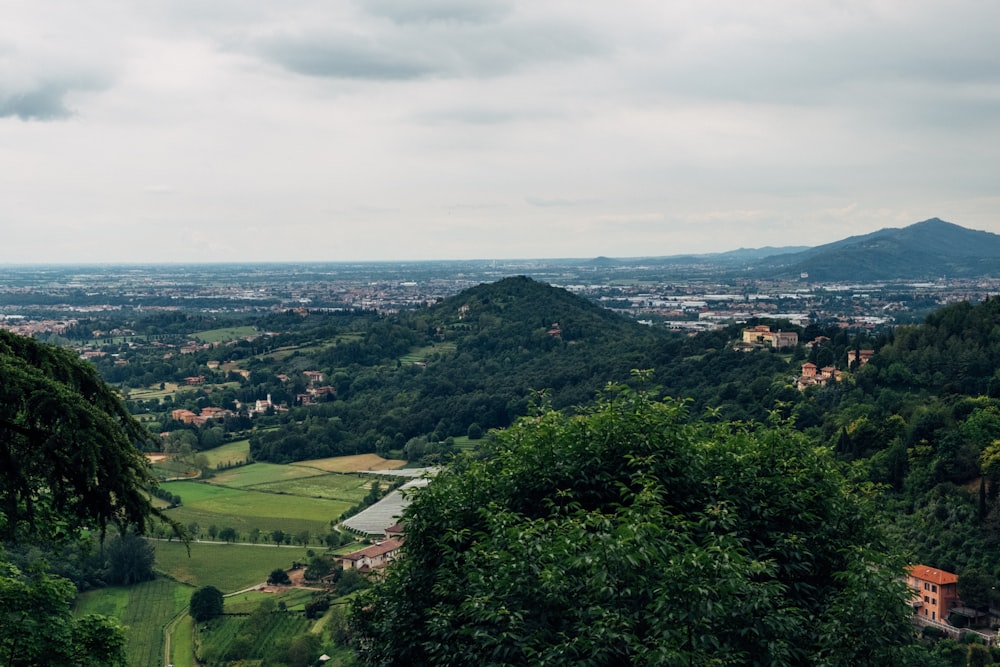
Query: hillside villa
x=935, y=591
x=816, y=377
x=761, y=335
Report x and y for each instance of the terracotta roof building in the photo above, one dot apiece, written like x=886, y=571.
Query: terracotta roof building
x=935, y=591
x=376, y=556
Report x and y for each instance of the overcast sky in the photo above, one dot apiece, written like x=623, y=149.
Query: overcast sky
x=231, y=130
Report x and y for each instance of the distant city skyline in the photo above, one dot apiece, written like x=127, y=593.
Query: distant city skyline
x=396, y=130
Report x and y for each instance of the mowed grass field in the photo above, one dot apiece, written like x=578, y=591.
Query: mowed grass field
x=259, y=473
x=231, y=452
x=356, y=463
x=246, y=509
x=144, y=609
x=228, y=567
x=347, y=487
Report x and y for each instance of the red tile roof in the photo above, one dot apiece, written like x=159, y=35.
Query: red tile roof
x=374, y=551
x=939, y=577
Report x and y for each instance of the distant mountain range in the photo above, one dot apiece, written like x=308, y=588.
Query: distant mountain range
x=929, y=249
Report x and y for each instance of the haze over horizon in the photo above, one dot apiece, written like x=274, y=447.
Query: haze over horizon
x=175, y=132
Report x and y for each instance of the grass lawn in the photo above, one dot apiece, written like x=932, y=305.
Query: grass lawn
x=144, y=609
x=357, y=463
x=228, y=567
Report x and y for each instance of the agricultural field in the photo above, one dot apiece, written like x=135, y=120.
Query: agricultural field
x=335, y=486
x=182, y=643
x=154, y=391
x=423, y=353
x=226, y=334
x=356, y=463
x=264, y=637
x=144, y=609
x=228, y=567
x=293, y=498
x=260, y=473
x=231, y=452
x=246, y=603
x=246, y=510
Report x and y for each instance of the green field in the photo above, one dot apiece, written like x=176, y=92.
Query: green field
x=225, y=334
x=355, y=463
x=349, y=488
x=228, y=567
x=256, y=639
x=169, y=388
x=245, y=603
x=291, y=498
x=260, y=473
x=144, y=609
x=231, y=452
x=423, y=353
x=182, y=643
x=244, y=510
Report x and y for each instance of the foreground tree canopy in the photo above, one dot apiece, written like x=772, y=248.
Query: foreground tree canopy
x=68, y=451
x=629, y=535
x=68, y=462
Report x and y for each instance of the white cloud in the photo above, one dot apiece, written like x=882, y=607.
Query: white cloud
x=488, y=128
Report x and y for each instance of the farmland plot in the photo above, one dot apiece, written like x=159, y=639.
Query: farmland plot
x=144, y=609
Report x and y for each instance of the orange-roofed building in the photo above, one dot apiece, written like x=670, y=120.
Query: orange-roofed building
x=935, y=591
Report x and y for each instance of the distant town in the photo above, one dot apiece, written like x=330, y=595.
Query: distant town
x=49, y=300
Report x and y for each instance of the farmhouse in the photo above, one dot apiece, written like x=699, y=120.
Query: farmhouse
x=376, y=556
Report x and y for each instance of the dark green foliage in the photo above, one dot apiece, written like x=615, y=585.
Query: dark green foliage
x=67, y=446
x=278, y=577
x=319, y=567
x=228, y=534
x=37, y=626
x=628, y=536
x=317, y=607
x=499, y=346
x=206, y=603
x=130, y=559
x=975, y=588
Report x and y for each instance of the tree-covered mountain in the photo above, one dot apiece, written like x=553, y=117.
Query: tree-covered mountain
x=484, y=355
x=929, y=249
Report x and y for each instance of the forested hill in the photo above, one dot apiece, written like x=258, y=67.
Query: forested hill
x=928, y=249
x=956, y=351
x=482, y=357
x=517, y=312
